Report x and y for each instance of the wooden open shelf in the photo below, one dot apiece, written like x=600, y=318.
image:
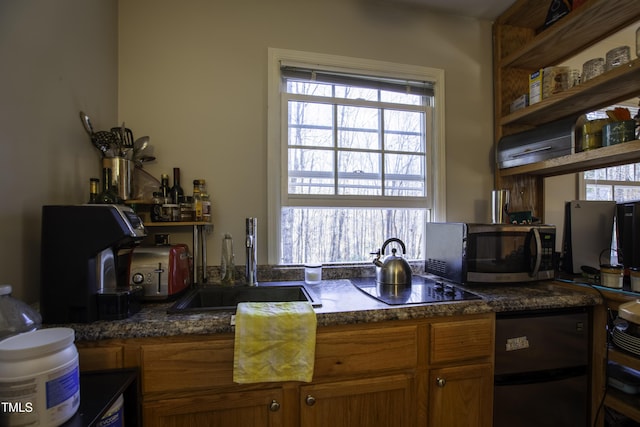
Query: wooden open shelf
x=624, y=153
x=618, y=84
x=588, y=24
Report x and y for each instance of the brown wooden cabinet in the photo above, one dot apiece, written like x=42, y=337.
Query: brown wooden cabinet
x=520, y=48
x=461, y=373
x=258, y=408
x=377, y=401
x=95, y=356
x=460, y=396
x=372, y=374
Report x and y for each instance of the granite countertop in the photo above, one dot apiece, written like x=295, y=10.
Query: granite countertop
x=342, y=303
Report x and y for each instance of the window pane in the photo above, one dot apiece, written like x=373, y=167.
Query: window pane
x=310, y=124
x=309, y=88
x=359, y=173
x=310, y=171
x=348, y=235
x=620, y=173
x=403, y=131
x=350, y=92
x=401, y=98
x=626, y=193
x=358, y=127
x=599, y=192
x=404, y=175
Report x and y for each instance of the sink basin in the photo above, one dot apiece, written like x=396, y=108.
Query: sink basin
x=213, y=298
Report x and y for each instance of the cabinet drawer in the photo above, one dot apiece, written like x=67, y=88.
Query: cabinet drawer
x=461, y=340
x=364, y=350
x=187, y=366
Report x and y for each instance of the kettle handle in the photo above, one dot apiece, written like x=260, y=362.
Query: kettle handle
x=394, y=239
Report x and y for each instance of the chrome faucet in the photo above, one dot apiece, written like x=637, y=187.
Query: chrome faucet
x=252, y=252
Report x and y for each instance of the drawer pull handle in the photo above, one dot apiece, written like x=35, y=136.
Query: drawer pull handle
x=310, y=400
x=274, y=406
x=440, y=382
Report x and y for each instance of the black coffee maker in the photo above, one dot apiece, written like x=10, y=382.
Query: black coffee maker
x=84, y=261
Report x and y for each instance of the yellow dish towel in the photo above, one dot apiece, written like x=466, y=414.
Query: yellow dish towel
x=274, y=341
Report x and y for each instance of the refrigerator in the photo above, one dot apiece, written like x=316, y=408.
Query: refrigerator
x=541, y=368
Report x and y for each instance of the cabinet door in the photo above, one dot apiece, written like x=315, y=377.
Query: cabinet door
x=461, y=396
x=238, y=409
x=372, y=402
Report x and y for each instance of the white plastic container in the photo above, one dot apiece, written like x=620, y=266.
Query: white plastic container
x=114, y=416
x=39, y=378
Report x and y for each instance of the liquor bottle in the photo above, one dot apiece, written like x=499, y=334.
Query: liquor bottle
x=93, y=190
x=164, y=188
x=107, y=196
x=197, y=201
x=177, y=194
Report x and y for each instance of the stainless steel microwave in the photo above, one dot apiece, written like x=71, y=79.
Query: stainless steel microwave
x=490, y=253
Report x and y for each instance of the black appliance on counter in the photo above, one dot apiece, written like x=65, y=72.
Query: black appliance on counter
x=628, y=233
x=541, y=368
x=588, y=232
x=490, y=253
x=422, y=290
x=84, y=262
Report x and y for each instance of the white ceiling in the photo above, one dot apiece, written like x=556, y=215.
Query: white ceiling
x=481, y=9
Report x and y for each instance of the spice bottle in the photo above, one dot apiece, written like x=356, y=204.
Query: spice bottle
x=197, y=201
x=206, y=202
x=156, y=207
x=93, y=190
x=164, y=188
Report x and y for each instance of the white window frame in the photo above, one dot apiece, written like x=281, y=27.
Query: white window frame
x=277, y=130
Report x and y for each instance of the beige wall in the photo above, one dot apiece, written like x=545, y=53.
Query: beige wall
x=193, y=76
x=58, y=57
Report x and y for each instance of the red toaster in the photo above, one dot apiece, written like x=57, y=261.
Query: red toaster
x=163, y=271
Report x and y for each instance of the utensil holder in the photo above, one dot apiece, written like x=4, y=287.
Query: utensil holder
x=121, y=175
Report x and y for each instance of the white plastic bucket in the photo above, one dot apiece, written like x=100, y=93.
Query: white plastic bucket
x=39, y=378
x=114, y=416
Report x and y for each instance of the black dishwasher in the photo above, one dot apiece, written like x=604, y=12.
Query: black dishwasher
x=541, y=368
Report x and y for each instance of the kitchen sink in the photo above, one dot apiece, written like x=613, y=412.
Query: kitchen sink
x=212, y=298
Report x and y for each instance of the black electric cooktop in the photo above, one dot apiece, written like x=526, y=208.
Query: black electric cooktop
x=423, y=290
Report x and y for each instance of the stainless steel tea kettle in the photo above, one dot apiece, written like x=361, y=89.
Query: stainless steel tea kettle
x=392, y=270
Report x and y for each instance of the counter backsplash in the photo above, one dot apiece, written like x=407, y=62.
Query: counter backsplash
x=276, y=273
